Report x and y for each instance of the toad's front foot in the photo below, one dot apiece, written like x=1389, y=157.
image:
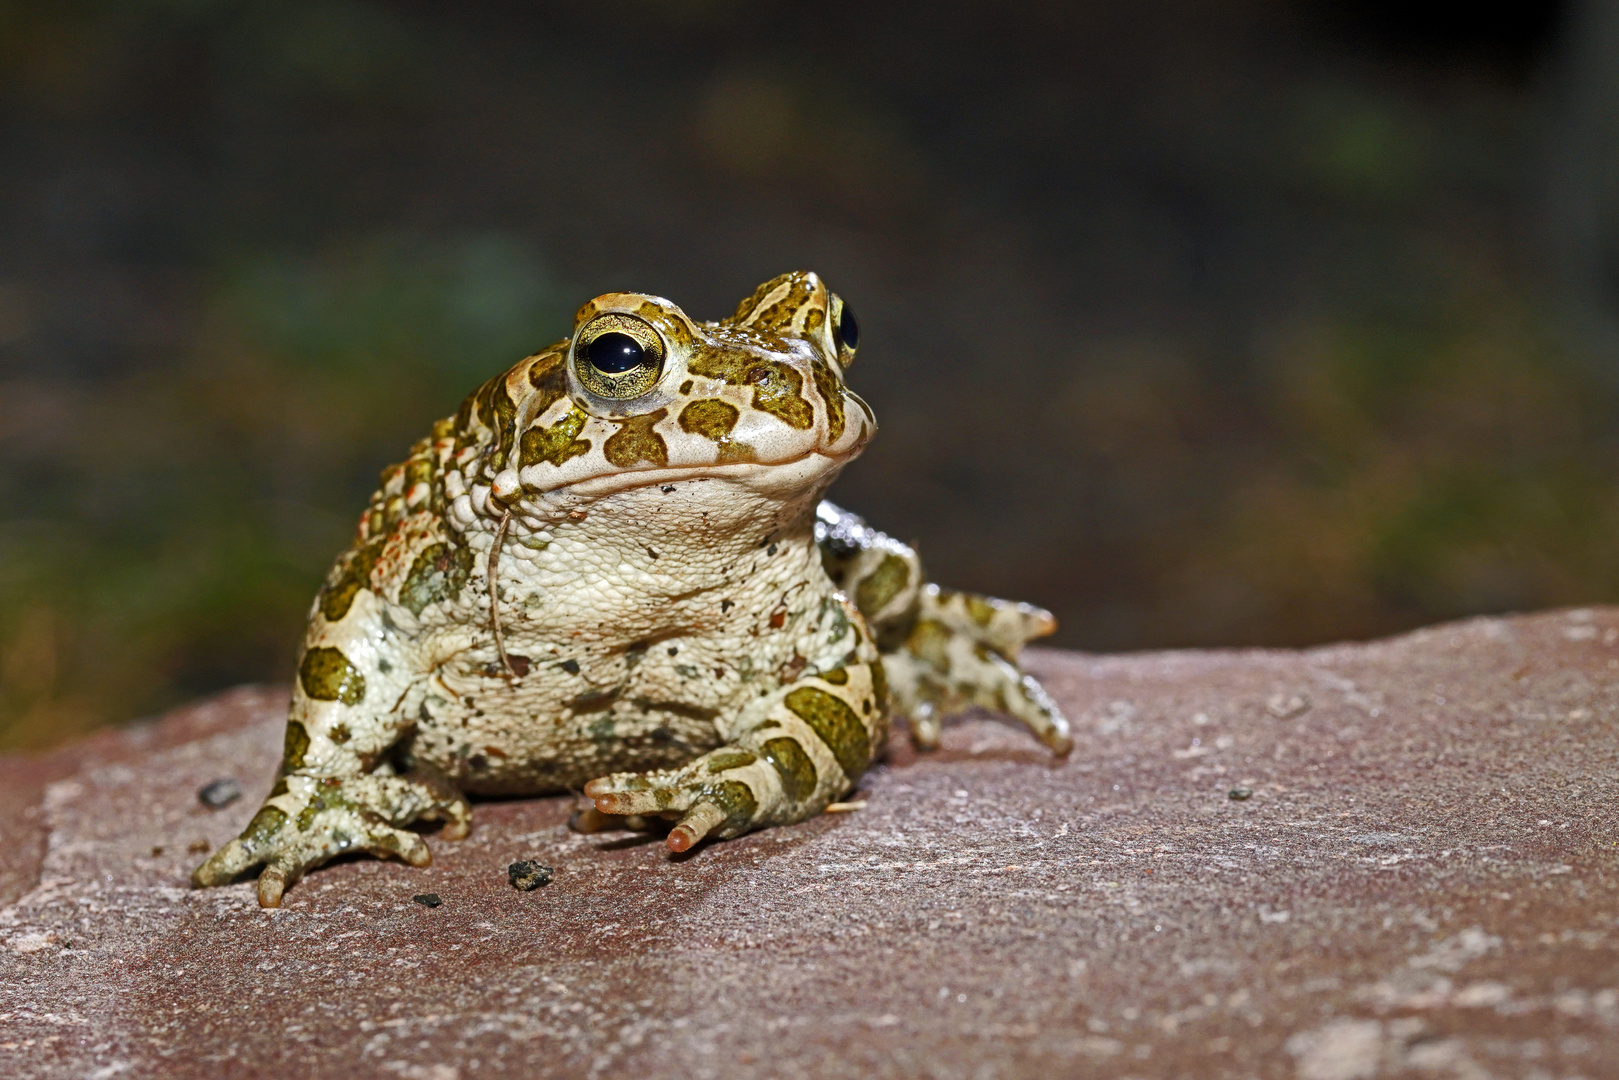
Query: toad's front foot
x=310, y=820
x=795, y=751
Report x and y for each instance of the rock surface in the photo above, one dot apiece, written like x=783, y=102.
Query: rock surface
x=1423, y=882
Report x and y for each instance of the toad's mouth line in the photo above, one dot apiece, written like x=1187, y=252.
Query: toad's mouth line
x=769, y=477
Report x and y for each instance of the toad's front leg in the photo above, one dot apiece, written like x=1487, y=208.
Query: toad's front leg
x=789, y=755
x=336, y=791
x=309, y=820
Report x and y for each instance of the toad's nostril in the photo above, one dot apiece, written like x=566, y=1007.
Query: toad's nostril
x=615, y=353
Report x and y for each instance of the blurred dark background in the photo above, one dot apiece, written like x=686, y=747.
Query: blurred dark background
x=1201, y=324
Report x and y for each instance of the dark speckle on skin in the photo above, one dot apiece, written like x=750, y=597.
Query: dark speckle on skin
x=570, y=666
x=595, y=700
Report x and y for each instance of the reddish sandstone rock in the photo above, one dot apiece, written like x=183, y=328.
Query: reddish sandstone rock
x=1422, y=881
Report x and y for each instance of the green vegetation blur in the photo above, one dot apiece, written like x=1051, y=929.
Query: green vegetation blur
x=1199, y=324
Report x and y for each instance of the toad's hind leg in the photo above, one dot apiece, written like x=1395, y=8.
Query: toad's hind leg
x=955, y=657
x=945, y=651
x=790, y=754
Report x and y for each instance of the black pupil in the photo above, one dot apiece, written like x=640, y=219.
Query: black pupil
x=849, y=329
x=616, y=353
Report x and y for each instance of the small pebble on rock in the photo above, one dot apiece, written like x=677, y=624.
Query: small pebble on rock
x=528, y=875
x=1240, y=793
x=428, y=899
x=220, y=793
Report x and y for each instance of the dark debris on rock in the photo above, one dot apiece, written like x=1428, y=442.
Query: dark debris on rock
x=220, y=794
x=528, y=875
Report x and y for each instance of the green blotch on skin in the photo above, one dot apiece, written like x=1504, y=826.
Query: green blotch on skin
x=929, y=641
x=777, y=388
x=635, y=441
x=837, y=676
x=713, y=419
x=840, y=620
x=837, y=725
x=441, y=570
x=781, y=314
x=722, y=760
x=679, y=708
x=672, y=327
x=797, y=771
x=710, y=417
x=327, y=675
x=549, y=379
x=981, y=611
x=294, y=746
x=832, y=393
x=330, y=798
x=735, y=799
x=557, y=443
x=880, y=586
x=265, y=824
x=505, y=421
x=732, y=450
x=418, y=470
x=879, y=685
x=757, y=297
x=337, y=597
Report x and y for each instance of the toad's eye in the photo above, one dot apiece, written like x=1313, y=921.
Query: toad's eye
x=615, y=353
x=845, y=331
x=618, y=356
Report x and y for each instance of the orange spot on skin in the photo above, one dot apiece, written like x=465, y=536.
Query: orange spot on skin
x=680, y=839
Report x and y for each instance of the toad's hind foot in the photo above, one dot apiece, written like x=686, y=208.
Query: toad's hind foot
x=961, y=651
x=794, y=751
x=945, y=651
x=311, y=820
